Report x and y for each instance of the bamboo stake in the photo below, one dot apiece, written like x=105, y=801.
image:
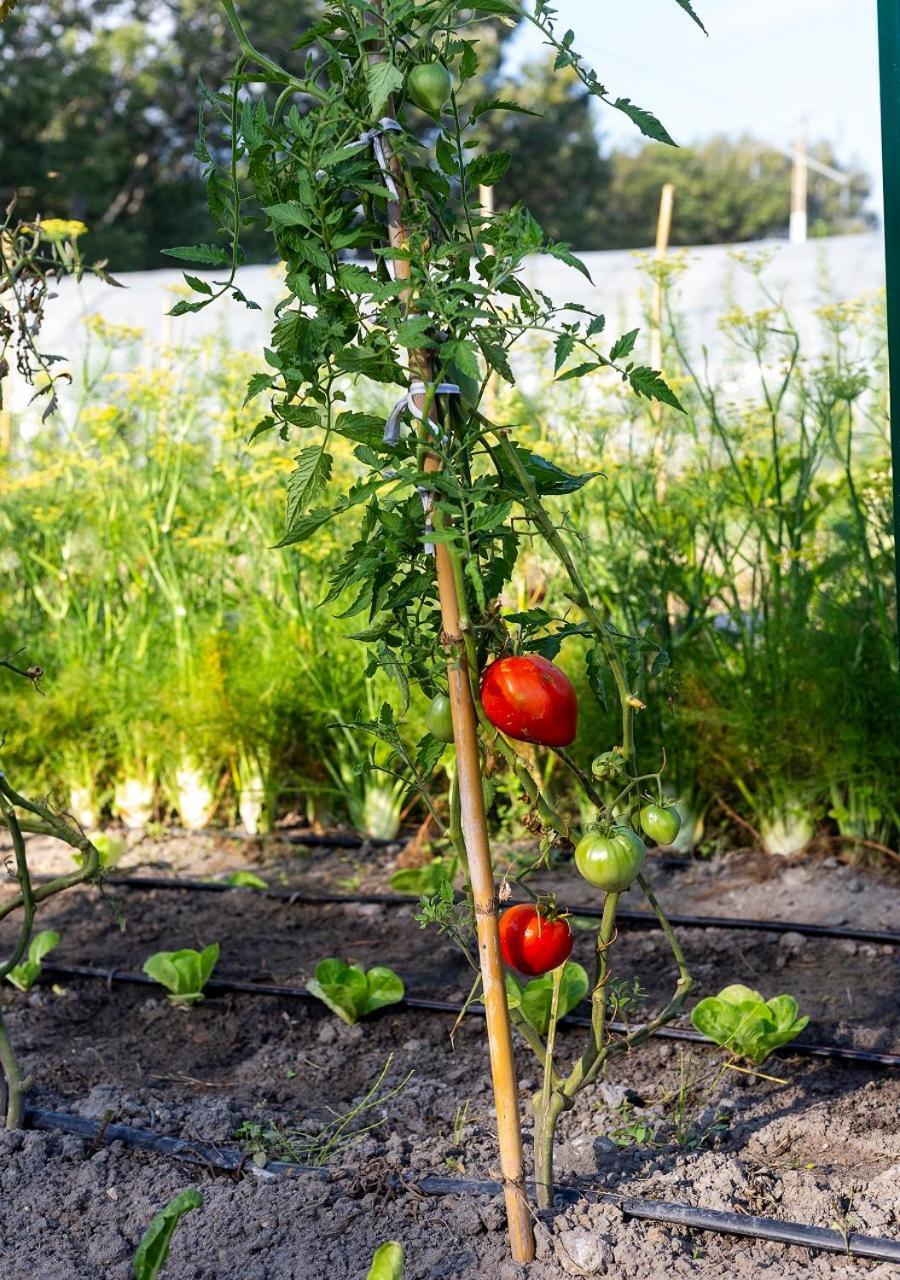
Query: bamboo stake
x=473, y=818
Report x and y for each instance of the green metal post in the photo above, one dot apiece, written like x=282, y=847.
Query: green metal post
x=889, y=59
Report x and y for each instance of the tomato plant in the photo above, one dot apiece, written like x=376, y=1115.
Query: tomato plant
x=531, y=700
x=395, y=274
x=23, y=963
x=534, y=941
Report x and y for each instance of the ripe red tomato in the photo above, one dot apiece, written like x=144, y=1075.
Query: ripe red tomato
x=531, y=700
x=531, y=942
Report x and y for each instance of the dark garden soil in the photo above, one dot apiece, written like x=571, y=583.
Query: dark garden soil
x=819, y=1145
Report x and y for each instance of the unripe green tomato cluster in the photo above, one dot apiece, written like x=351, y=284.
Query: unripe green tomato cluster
x=610, y=862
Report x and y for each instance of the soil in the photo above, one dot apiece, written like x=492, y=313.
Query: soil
x=817, y=1144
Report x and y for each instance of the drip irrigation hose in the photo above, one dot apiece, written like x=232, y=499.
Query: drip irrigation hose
x=639, y=919
x=213, y=1157
x=425, y=1003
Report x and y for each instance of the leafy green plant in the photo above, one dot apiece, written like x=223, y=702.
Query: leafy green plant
x=26, y=974
x=185, y=973
x=351, y=991
x=39, y=818
x=110, y=847
x=245, y=880
x=153, y=1250
x=319, y=1144
x=388, y=1262
x=745, y=1024
x=534, y=1000
x=427, y=879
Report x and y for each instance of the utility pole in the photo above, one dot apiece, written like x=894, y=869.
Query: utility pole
x=799, y=171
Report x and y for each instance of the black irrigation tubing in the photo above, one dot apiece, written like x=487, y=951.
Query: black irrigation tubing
x=425, y=1003
x=640, y=919
x=699, y=1219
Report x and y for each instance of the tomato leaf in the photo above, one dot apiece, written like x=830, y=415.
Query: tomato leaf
x=382, y=79
x=625, y=345
x=645, y=120
x=689, y=10
x=210, y=254
x=500, y=104
x=307, y=481
x=549, y=479
x=595, y=662
x=650, y=384
x=487, y=169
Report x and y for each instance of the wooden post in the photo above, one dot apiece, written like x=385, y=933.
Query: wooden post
x=799, y=171
x=663, y=229
x=473, y=818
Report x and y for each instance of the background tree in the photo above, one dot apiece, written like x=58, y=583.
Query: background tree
x=98, y=112
x=557, y=169
x=728, y=191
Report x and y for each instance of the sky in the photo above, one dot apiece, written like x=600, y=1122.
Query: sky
x=765, y=65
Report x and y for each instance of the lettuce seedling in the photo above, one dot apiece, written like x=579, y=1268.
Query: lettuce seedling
x=110, y=847
x=388, y=1262
x=425, y=880
x=245, y=880
x=534, y=1000
x=153, y=1250
x=183, y=973
x=351, y=992
x=745, y=1024
x=26, y=974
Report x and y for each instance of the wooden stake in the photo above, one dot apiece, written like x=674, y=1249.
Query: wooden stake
x=798, y=225
x=474, y=821
x=663, y=228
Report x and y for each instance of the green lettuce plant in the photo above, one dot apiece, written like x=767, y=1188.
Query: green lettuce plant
x=425, y=880
x=352, y=992
x=388, y=1262
x=185, y=973
x=534, y=1000
x=26, y=974
x=748, y=1026
x=153, y=1251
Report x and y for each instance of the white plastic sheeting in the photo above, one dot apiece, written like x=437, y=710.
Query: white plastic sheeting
x=804, y=276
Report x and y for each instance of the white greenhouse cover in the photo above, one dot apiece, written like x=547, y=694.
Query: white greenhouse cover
x=805, y=277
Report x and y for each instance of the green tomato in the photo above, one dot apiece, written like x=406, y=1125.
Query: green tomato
x=429, y=86
x=661, y=822
x=609, y=862
x=608, y=765
x=438, y=719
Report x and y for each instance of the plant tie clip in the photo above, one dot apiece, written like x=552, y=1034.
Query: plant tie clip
x=408, y=403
